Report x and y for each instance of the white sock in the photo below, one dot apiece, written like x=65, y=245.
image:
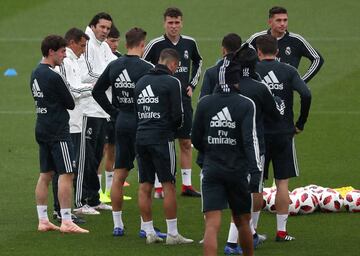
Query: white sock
x=117, y=218
x=149, y=227
x=108, y=180
x=253, y=232
x=141, y=224
x=99, y=176
x=157, y=183
x=255, y=218
x=186, y=177
x=172, y=227
x=281, y=220
x=42, y=212
x=233, y=234
x=65, y=214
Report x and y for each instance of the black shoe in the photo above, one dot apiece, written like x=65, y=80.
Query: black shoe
x=77, y=220
x=190, y=191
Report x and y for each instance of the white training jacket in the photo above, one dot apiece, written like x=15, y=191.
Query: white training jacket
x=92, y=63
x=70, y=69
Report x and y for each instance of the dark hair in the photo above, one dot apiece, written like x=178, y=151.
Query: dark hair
x=169, y=54
x=277, y=10
x=231, y=42
x=134, y=37
x=76, y=35
x=99, y=16
x=172, y=12
x=53, y=42
x=267, y=44
x=114, y=32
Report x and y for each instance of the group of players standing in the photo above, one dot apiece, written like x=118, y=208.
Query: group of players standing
x=244, y=120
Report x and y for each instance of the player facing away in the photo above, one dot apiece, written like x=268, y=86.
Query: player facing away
x=121, y=75
x=282, y=80
x=241, y=65
x=292, y=47
x=52, y=100
x=159, y=112
x=188, y=73
x=224, y=130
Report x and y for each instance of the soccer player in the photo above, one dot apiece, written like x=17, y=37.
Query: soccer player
x=70, y=69
x=190, y=60
x=112, y=40
x=230, y=43
x=52, y=99
x=224, y=130
x=159, y=112
x=282, y=80
x=241, y=65
x=292, y=47
x=121, y=75
x=93, y=62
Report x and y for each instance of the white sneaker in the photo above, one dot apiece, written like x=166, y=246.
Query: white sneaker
x=103, y=206
x=153, y=238
x=201, y=241
x=178, y=239
x=86, y=209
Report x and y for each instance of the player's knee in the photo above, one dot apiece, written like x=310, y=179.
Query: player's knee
x=185, y=145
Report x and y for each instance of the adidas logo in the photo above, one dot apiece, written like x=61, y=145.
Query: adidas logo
x=36, y=90
x=222, y=119
x=273, y=83
x=124, y=81
x=147, y=96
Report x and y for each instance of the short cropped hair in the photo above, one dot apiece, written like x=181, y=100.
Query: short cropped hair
x=169, y=54
x=172, y=12
x=99, y=16
x=134, y=37
x=76, y=35
x=277, y=10
x=114, y=32
x=231, y=42
x=52, y=42
x=267, y=44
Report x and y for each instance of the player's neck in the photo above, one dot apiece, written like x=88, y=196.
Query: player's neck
x=277, y=35
x=173, y=39
x=48, y=61
x=134, y=51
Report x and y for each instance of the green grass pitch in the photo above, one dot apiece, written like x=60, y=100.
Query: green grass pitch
x=328, y=150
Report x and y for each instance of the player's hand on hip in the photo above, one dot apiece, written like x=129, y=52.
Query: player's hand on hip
x=297, y=130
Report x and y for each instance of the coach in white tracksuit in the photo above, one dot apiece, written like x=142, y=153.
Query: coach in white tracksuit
x=96, y=57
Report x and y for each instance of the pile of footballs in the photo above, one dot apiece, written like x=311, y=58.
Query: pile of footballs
x=306, y=200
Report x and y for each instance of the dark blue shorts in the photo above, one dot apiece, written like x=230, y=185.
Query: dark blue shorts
x=125, y=150
x=56, y=156
x=280, y=150
x=156, y=158
x=185, y=131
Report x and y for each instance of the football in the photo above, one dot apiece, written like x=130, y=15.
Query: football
x=331, y=201
x=297, y=190
x=270, y=203
x=308, y=202
x=352, y=201
x=294, y=205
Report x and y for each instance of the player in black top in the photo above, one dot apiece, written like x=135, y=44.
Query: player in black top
x=282, y=79
x=159, y=113
x=52, y=99
x=224, y=130
x=190, y=61
x=121, y=75
x=292, y=47
x=239, y=67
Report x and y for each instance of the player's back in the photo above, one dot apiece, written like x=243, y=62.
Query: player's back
x=222, y=117
x=280, y=78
